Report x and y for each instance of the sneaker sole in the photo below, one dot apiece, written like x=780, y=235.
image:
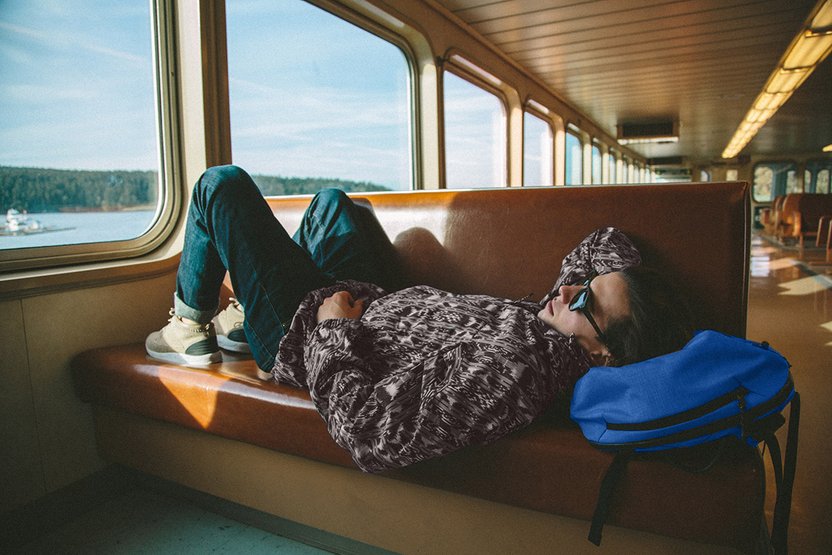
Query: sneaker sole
x=187, y=360
x=263, y=375
x=229, y=345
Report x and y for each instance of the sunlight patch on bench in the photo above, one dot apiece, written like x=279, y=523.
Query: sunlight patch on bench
x=200, y=402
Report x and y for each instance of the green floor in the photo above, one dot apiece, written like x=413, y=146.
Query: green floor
x=119, y=510
x=142, y=521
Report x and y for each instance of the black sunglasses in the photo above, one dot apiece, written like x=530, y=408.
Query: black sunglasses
x=582, y=301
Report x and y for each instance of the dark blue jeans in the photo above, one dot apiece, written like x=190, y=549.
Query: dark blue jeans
x=231, y=228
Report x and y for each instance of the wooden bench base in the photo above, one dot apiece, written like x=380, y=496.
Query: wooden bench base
x=391, y=514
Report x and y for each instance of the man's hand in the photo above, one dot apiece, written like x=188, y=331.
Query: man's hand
x=340, y=305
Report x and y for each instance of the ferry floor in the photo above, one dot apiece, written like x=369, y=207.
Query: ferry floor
x=790, y=306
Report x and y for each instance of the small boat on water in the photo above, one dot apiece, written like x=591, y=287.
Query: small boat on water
x=20, y=223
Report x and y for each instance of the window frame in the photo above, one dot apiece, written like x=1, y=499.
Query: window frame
x=164, y=53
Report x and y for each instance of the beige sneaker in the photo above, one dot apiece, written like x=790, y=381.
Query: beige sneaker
x=183, y=343
x=229, y=325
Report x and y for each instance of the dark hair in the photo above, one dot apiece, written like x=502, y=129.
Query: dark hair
x=660, y=320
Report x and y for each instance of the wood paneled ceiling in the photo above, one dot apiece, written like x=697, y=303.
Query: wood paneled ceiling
x=699, y=62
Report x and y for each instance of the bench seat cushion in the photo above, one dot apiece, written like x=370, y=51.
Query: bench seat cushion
x=547, y=467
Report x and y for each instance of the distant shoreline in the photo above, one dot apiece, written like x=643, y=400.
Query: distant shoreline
x=83, y=209
x=49, y=190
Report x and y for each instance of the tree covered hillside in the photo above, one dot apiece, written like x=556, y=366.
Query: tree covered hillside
x=48, y=190
x=51, y=190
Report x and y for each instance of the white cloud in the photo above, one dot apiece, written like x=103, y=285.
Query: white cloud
x=73, y=43
x=42, y=94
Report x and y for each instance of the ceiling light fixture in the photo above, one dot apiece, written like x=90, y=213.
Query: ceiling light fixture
x=808, y=49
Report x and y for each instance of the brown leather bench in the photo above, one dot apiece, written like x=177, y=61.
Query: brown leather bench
x=824, y=236
x=770, y=216
x=803, y=216
x=501, y=242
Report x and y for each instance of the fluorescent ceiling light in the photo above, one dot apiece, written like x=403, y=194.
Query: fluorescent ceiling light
x=767, y=101
x=809, y=49
x=785, y=81
x=827, y=148
x=823, y=18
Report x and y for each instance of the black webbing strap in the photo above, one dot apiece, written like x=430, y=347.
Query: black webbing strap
x=602, y=508
x=773, y=447
x=784, y=478
x=783, y=504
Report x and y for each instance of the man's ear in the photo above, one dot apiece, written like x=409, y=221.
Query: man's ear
x=601, y=358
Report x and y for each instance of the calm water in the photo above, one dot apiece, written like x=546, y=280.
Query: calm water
x=83, y=227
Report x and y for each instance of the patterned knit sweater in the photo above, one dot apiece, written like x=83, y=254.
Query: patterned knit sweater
x=425, y=372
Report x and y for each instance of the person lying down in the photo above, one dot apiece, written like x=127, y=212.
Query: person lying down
x=401, y=375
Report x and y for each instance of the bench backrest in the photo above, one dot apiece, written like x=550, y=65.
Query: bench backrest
x=811, y=207
x=510, y=242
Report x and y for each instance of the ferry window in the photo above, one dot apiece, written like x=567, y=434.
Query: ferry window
x=612, y=165
x=791, y=182
x=773, y=179
x=704, y=175
x=822, y=182
x=574, y=159
x=80, y=159
x=627, y=170
x=475, y=135
x=596, y=163
x=315, y=101
x=537, y=151
x=817, y=176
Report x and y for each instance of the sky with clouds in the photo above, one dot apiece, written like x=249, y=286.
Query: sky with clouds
x=76, y=85
x=311, y=95
x=314, y=95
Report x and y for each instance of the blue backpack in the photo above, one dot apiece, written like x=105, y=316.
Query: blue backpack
x=716, y=387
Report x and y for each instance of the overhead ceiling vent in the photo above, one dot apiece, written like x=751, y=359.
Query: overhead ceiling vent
x=648, y=132
x=666, y=161
x=680, y=173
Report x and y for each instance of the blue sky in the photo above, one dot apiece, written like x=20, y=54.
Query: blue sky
x=76, y=85
x=314, y=95
x=307, y=96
